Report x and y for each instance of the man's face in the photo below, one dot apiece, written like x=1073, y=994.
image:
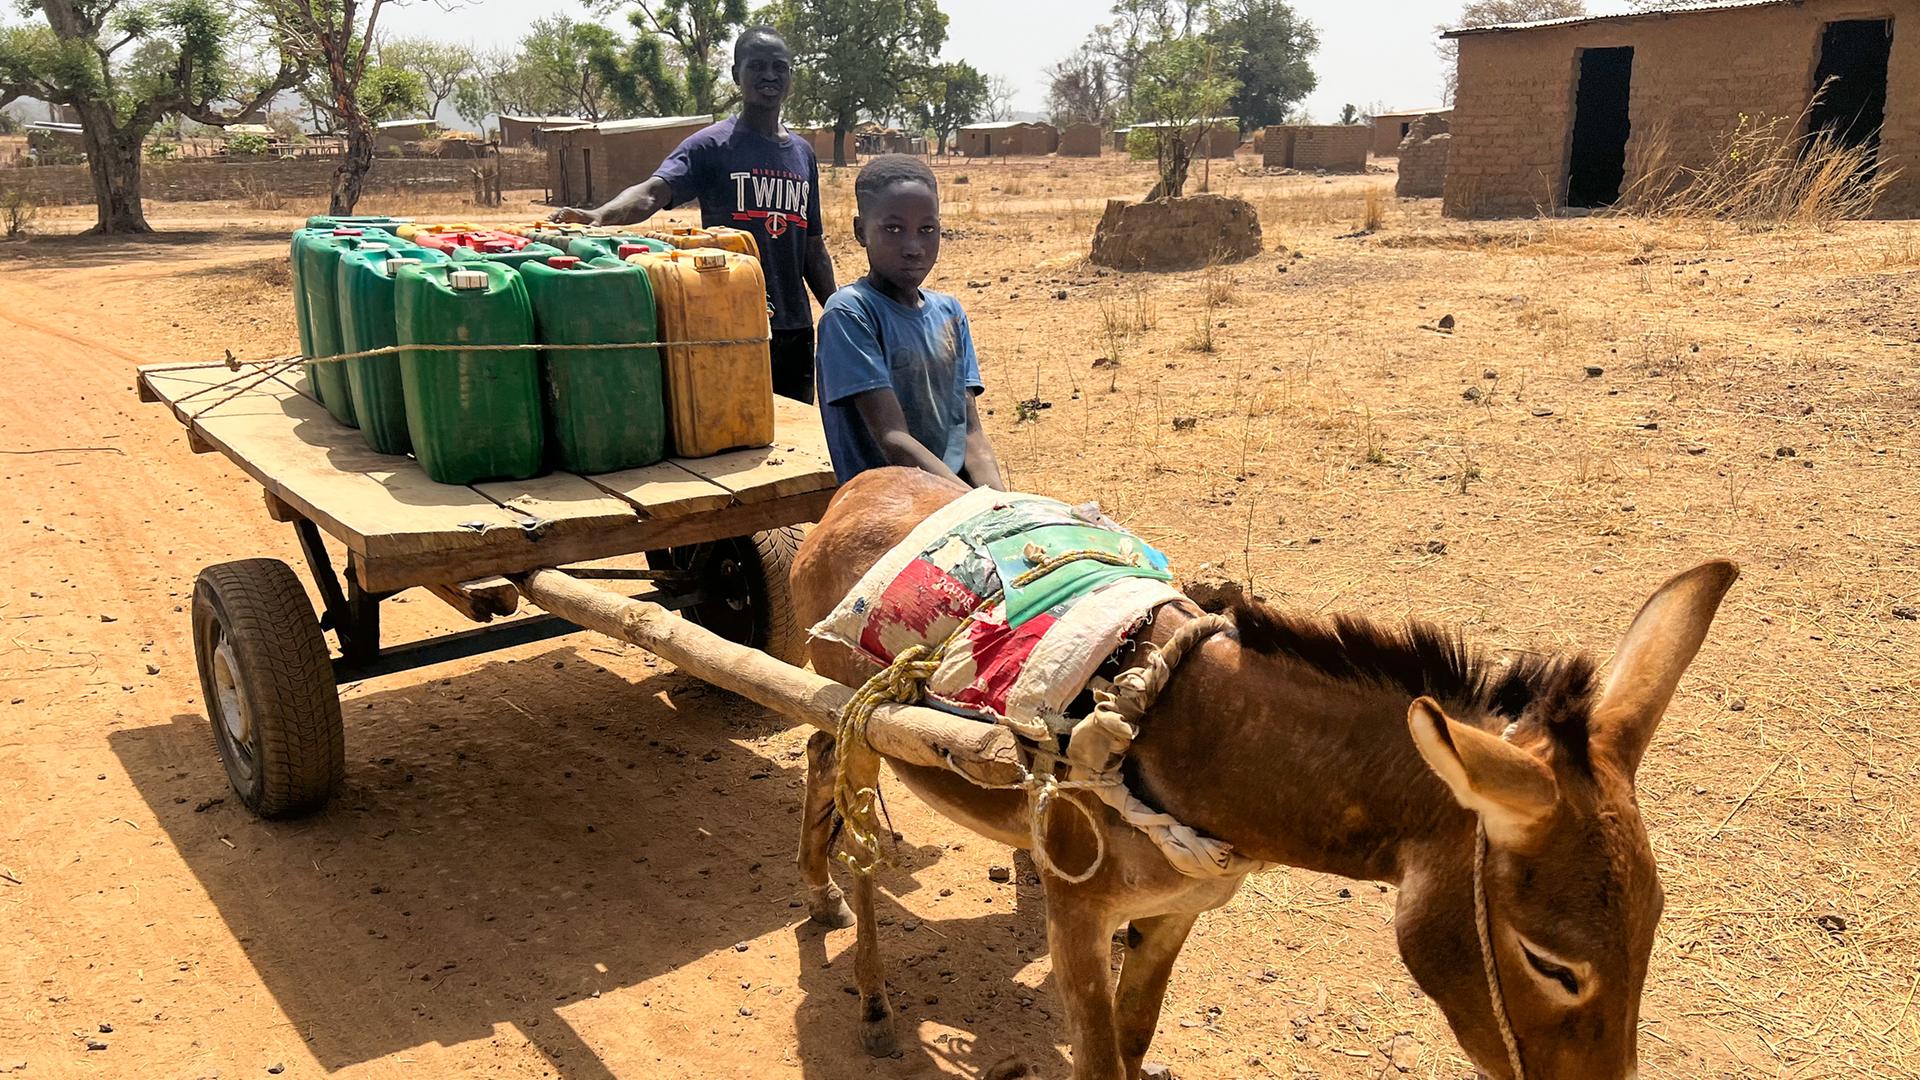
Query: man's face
x=901, y=232
x=764, y=72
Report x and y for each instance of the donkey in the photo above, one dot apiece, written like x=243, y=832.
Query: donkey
x=1499, y=798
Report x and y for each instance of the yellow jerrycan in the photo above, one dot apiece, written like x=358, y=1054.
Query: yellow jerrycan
x=719, y=397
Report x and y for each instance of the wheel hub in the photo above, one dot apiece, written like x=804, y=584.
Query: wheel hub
x=232, y=702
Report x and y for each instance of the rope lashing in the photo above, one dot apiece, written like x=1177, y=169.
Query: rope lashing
x=1483, y=926
x=856, y=789
x=1112, y=725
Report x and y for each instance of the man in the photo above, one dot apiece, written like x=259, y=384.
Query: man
x=750, y=173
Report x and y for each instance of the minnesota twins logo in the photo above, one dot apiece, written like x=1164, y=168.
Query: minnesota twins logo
x=778, y=202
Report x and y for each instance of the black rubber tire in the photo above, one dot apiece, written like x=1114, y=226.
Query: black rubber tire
x=750, y=600
x=260, y=652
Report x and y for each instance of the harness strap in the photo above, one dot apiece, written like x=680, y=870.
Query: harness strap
x=1483, y=924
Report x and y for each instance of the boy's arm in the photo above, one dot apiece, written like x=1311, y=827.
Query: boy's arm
x=630, y=207
x=982, y=468
x=880, y=411
x=818, y=270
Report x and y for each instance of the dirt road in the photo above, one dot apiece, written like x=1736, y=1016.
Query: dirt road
x=568, y=861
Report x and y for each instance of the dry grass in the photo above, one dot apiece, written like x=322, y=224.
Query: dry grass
x=1763, y=174
x=17, y=213
x=1373, y=210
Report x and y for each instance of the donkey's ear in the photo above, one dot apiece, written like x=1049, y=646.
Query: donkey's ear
x=1510, y=789
x=1652, y=656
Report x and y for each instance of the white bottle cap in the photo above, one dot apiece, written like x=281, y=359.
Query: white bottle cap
x=465, y=280
x=400, y=261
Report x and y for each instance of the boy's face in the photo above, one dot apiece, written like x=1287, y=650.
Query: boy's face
x=901, y=232
x=764, y=72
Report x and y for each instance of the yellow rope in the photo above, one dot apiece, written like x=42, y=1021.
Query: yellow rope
x=856, y=790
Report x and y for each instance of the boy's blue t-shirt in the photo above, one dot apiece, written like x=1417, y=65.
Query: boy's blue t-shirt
x=924, y=355
x=769, y=188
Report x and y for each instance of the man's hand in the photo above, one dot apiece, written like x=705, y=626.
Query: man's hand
x=573, y=216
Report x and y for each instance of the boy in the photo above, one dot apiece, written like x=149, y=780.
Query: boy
x=897, y=371
x=751, y=173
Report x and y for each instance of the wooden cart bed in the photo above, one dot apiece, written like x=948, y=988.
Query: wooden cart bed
x=402, y=529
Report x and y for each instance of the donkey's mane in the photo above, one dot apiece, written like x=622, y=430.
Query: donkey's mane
x=1419, y=658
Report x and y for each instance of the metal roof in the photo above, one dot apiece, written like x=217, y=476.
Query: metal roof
x=1004, y=125
x=416, y=122
x=542, y=119
x=1582, y=20
x=56, y=127
x=642, y=123
x=1439, y=109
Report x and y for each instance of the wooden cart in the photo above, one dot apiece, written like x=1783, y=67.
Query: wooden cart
x=717, y=534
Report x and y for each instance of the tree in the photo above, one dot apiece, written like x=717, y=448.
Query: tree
x=1081, y=89
x=1000, y=94
x=1495, y=13
x=498, y=84
x=1349, y=113
x=1182, y=83
x=1137, y=25
x=856, y=56
x=439, y=65
x=335, y=38
x=1273, y=46
x=948, y=97
x=566, y=64
x=125, y=67
x=697, y=32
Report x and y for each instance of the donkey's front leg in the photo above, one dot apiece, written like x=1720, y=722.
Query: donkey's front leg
x=876, y=1012
x=817, y=821
x=1152, y=946
x=1079, y=935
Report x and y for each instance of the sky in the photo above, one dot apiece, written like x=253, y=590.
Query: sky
x=1373, y=53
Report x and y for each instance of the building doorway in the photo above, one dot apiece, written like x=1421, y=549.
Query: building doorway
x=1850, y=85
x=1597, y=160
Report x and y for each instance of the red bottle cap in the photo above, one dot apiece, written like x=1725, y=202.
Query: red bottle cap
x=564, y=262
x=633, y=249
x=349, y=232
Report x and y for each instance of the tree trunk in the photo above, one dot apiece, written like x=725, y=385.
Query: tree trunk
x=351, y=176
x=113, y=161
x=840, y=142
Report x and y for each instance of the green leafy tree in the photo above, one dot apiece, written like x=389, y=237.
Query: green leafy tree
x=1181, y=84
x=636, y=77
x=947, y=97
x=127, y=66
x=335, y=39
x=439, y=65
x=692, y=35
x=1273, y=47
x=393, y=93
x=854, y=57
x=566, y=63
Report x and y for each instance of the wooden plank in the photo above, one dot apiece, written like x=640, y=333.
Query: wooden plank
x=399, y=572
x=796, y=463
x=378, y=505
x=664, y=490
x=482, y=599
x=559, y=503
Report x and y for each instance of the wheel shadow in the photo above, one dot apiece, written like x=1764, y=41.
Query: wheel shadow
x=529, y=835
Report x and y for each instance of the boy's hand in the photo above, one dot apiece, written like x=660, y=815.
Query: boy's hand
x=983, y=467
x=880, y=411
x=573, y=216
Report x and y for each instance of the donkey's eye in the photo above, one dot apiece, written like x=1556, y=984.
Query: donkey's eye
x=1551, y=970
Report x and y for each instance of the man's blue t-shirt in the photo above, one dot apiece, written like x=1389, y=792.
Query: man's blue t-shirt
x=924, y=355
x=769, y=188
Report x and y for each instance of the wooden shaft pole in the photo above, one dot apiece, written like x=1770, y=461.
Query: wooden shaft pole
x=908, y=733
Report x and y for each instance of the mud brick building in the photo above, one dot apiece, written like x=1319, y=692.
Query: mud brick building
x=1326, y=147
x=591, y=163
x=1009, y=139
x=1082, y=140
x=528, y=132
x=1569, y=113
x=1391, y=129
x=1423, y=159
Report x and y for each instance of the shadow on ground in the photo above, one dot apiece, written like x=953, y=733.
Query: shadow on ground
x=536, y=832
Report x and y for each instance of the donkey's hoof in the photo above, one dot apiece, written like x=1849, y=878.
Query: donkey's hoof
x=878, y=1037
x=828, y=908
x=1010, y=1069
x=1153, y=1070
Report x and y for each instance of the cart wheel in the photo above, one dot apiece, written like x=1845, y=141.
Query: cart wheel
x=268, y=684
x=747, y=596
